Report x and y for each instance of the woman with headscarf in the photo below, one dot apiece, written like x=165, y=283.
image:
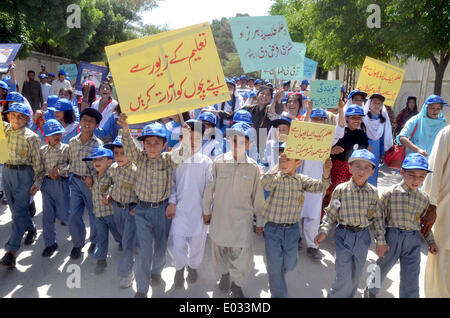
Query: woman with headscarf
x=426, y=124
x=378, y=129
x=406, y=113
x=106, y=105
x=88, y=90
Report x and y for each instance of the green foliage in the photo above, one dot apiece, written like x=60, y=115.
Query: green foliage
x=14, y=30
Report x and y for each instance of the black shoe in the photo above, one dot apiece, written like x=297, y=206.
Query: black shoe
x=8, y=260
x=32, y=209
x=313, y=253
x=101, y=265
x=4, y=201
x=236, y=291
x=224, y=284
x=155, y=279
x=91, y=248
x=368, y=294
x=1, y=194
x=49, y=250
x=75, y=253
x=120, y=248
x=192, y=275
x=179, y=278
x=31, y=237
x=140, y=295
x=63, y=224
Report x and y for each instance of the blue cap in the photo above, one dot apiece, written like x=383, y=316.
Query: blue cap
x=305, y=82
x=42, y=76
x=99, y=152
x=53, y=127
x=62, y=105
x=342, y=88
x=251, y=79
x=354, y=110
x=415, y=161
x=68, y=78
x=15, y=97
x=363, y=154
x=235, y=79
x=51, y=74
x=283, y=120
x=43, y=65
x=51, y=101
x=258, y=81
x=230, y=81
x=19, y=108
x=62, y=72
x=4, y=85
x=243, y=77
x=269, y=84
x=209, y=117
x=252, y=94
x=318, y=113
x=435, y=99
x=377, y=95
x=286, y=83
x=116, y=143
x=243, y=116
x=244, y=94
x=242, y=129
x=357, y=92
x=154, y=129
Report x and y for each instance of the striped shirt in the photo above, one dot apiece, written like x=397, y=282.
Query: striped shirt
x=355, y=206
x=78, y=151
x=100, y=190
x=287, y=194
x=23, y=147
x=124, y=179
x=403, y=208
x=52, y=157
x=154, y=176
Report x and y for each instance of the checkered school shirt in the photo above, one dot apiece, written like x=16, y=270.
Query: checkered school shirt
x=23, y=147
x=287, y=194
x=78, y=151
x=403, y=208
x=52, y=157
x=124, y=179
x=154, y=176
x=354, y=206
x=100, y=189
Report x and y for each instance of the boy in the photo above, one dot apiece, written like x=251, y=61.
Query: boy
x=123, y=173
x=153, y=187
x=187, y=235
x=403, y=206
x=355, y=207
x=82, y=172
x=236, y=194
x=20, y=174
x=55, y=185
x=281, y=214
x=104, y=212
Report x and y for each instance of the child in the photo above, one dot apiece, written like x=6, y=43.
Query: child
x=187, y=235
x=153, y=188
x=355, y=207
x=282, y=212
x=55, y=183
x=82, y=172
x=20, y=177
x=237, y=194
x=123, y=173
x=403, y=206
x=104, y=212
x=213, y=138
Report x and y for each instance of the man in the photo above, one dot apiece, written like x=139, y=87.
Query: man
x=46, y=87
x=43, y=71
x=62, y=82
x=51, y=78
x=31, y=90
x=436, y=185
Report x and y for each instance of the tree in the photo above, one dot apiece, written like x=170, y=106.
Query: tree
x=14, y=30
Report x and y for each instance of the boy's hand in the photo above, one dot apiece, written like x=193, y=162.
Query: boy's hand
x=337, y=150
x=122, y=121
x=170, y=210
x=132, y=212
x=320, y=238
x=33, y=190
x=433, y=249
x=106, y=200
x=88, y=181
x=54, y=173
x=381, y=250
x=206, y=219
x=259, y=230
x=327, y=168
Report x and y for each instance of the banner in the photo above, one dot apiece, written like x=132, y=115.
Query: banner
x=380, y=77
x=325, y=94
x=309, y=141
x=309, y=68
x=288, y=72
x=8, y=52
x=87, y=71
x=167, y=73
x=263, y=42
x=70, y=69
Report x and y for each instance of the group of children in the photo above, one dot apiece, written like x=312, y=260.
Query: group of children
x=157, y=201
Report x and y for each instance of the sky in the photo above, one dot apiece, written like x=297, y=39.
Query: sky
x=181, y=13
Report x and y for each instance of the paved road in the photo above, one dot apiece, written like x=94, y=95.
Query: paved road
x=36, y=276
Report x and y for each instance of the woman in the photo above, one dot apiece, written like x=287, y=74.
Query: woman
x=406, y=113
x=429, y=122
x=294, y=106
x=88, y=90
x=378, y=129
x=106, y=105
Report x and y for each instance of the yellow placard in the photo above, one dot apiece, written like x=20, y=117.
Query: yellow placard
x=99, y=63
x=309, y=141
x=167, y=73
x=2, y=130
x=380, y=77
x=4, y=152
